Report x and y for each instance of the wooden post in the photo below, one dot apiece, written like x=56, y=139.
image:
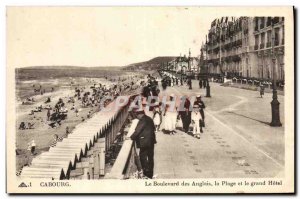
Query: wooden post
x=86, y=173
x=109, y=134
x=102, y=157
x=112, y=130
x=106, y=137
x=91, y=168
x=96, y=161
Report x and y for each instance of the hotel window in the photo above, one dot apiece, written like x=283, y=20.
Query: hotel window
x=282, y=40
x=256, y=24
x=262, y=22
x=275, y=20
x=262, y=41
x=246, y=41
x=256, y=42
x=269, y=39
x=269, y=21
x=276, y=42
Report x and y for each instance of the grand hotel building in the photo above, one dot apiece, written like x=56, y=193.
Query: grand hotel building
x=242, y=47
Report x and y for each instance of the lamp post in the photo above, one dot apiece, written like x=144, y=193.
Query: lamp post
x=275, y=103
x=181, y=81
x=190, y=80
x=190, y=72
x=207, y=86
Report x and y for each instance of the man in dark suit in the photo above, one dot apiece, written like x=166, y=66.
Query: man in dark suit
x=144, y=136
x=185, y=114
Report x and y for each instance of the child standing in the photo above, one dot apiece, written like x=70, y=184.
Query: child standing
x=196, y=117
x=157, y=117
x=32, y=147
x=262, y=90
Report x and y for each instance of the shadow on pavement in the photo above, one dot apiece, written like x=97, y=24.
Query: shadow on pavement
x=263, y=122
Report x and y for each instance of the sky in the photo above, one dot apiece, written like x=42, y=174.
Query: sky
x=102, y=36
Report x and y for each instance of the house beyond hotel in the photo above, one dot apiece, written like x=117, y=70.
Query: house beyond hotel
x=242, y=47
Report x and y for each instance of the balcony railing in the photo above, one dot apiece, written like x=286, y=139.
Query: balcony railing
x=268, y=44
x=256, y=47
x=276, y=43
x=262, y=26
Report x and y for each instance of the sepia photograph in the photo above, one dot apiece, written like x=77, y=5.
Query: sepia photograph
x=150, y=99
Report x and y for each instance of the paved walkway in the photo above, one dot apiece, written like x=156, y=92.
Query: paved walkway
x=221, y=152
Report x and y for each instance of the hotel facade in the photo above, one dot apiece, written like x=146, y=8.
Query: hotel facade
x=243, y=47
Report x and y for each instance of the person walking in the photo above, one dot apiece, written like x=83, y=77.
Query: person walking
x=77, y=112
x=185, y=114
x=67, y=131
x=262, y=90
x=196, y=117
x=200, y=83
x=157, y=117
x=33, y=145
x=201, y=106
x=189, y=82
x=204, y=83
x=145, y=139
x=48, y=114
x=171, y=116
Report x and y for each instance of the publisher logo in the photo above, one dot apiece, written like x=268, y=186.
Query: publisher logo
x=23, y=185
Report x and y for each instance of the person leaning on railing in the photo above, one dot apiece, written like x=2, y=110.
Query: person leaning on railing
x=144, y=137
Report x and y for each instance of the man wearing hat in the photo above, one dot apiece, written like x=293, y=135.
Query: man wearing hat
x=144, y=136
x=201, y=106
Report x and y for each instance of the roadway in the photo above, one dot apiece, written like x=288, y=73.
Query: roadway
x=237, y=140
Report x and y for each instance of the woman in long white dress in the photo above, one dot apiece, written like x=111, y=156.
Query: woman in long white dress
x=170, y=119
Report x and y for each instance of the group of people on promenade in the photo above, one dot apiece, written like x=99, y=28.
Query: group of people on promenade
x=203, y=83
x=164, y=119
x=171, y=80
